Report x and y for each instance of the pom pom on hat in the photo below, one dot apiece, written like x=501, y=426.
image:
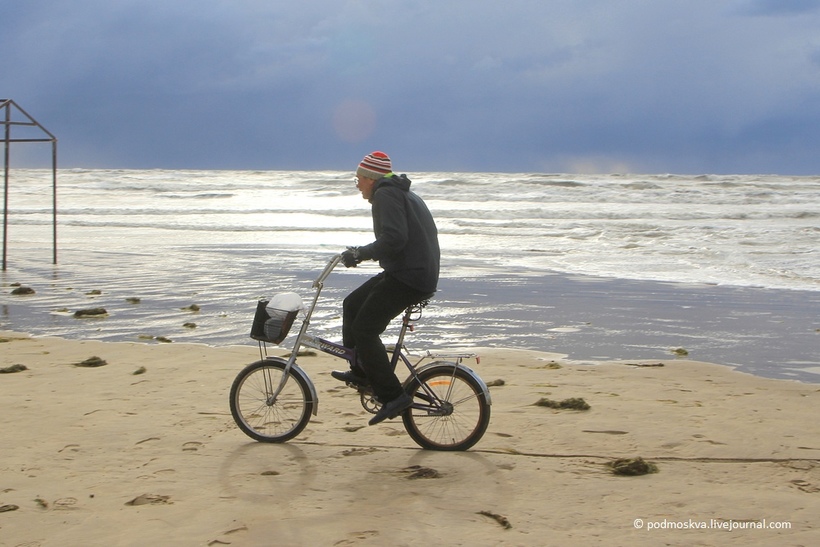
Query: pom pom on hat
x=375, y=165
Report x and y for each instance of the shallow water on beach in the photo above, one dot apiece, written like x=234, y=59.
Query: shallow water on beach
x=615, y=266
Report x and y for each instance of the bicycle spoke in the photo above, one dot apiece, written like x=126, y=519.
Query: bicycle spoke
x=261, y=415
x=455, y=413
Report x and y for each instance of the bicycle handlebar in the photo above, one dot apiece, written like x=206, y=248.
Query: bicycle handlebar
x=332, y=263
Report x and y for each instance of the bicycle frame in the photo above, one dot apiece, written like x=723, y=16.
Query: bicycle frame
x=349, y=354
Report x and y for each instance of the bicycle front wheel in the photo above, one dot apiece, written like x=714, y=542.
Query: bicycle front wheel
x=260, y=412
x=450, y=410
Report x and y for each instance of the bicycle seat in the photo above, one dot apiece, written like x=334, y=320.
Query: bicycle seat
x=425, y=300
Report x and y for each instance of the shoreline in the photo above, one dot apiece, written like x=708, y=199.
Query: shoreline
x=106, y=456
x=767, y=332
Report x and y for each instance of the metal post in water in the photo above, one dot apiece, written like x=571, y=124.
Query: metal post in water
x=54, y=196
x=6, y=181
x=7, y=122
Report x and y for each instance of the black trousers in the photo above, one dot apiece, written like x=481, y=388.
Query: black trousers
x=366, y=313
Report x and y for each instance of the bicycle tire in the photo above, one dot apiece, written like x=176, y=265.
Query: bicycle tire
x=259, y=417
x=459, y=429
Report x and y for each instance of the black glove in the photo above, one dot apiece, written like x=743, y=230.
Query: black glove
x=351, y=257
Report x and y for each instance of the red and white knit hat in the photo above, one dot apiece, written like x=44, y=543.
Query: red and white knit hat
x=375, y=165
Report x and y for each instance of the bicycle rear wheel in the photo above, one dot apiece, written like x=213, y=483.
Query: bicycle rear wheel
x=263, y=417
x=452, y=415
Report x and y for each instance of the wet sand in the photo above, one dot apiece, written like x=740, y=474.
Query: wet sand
x=766, y=332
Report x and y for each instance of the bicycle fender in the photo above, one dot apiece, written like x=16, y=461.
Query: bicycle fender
x=448, y=365
x=296, y=370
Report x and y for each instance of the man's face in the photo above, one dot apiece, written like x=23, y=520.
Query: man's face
x=365, y=186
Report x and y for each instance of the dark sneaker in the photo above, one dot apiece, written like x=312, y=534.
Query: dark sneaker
x=350, y=377
x=392, y=409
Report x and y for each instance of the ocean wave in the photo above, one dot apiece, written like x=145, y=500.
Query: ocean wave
x=212, y=195
x=740, y=229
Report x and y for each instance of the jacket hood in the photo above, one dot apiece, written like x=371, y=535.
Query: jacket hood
x=395, y=181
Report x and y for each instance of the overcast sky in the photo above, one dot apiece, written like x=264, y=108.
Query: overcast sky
x=640, y=86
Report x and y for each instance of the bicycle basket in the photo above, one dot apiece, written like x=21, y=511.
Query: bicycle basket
x=271, y=325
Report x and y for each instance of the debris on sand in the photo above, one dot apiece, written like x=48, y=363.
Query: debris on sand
x=92, y=362
x=632, y=467
x=502, y=520
x=91, y=312
x=575, y=403
x=419, y=472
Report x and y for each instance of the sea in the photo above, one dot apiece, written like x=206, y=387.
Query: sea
x=717, y=268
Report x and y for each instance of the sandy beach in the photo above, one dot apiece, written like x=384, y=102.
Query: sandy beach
x=143, y=451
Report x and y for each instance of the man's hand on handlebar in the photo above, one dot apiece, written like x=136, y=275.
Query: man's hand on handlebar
x=351, y=257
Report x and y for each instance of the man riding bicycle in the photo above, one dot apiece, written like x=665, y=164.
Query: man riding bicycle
x=407, y=249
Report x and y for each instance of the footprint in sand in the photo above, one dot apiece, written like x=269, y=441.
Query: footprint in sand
x=165, y=471
x=148, y=439
x=241, y=528
x=356, y=537
x=805, y=486
x=149, y=499
x=359, y=451
x=65, y=504
x=191, y=446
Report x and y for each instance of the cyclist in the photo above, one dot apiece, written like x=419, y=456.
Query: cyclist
x=407, y=249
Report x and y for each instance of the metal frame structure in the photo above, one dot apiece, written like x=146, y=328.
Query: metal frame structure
x=8, y=107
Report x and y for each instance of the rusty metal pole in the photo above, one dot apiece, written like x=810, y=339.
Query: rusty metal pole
x=54, y=195
x=6, y=182
x=7, y=104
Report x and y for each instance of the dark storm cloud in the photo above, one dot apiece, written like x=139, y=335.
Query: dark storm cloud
x=640, y=85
